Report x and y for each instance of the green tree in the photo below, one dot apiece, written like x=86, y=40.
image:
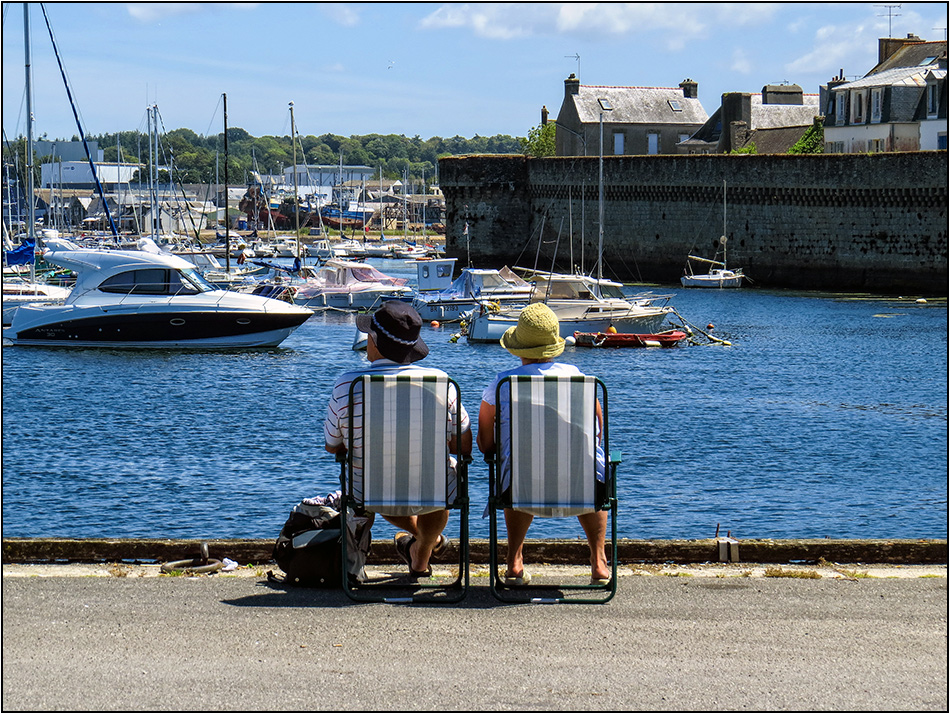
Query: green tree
x=540, y=141
x=812, y=141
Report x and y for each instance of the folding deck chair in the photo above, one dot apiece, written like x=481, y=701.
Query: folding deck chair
x=552, y=465
x=405, y=462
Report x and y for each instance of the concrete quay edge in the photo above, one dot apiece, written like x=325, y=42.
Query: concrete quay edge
x=629, y=551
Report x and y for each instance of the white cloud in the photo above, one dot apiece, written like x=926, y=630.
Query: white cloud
x=344, y=15
x=156, y=12
x=740, y=62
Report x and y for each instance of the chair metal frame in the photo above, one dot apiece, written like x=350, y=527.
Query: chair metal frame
x=606, y=501
x=431, y=592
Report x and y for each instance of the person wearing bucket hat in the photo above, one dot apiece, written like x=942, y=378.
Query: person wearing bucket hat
x=536, y=339
x=393, y=346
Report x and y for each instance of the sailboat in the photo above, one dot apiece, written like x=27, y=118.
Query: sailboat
x=21, y=288
x=718, y=274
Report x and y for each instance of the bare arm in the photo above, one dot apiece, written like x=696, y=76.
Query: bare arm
x=486, y=428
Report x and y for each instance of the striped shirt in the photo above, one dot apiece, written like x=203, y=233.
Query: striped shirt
x=336, y=423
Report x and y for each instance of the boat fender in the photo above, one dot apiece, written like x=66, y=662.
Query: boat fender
x=569, y=341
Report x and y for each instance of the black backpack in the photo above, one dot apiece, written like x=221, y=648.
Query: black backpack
x=308, y=547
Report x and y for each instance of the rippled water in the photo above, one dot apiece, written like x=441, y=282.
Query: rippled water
x=826, y=417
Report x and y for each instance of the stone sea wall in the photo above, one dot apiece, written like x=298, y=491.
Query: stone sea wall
x=843, y=222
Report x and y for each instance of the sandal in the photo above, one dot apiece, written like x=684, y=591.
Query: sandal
x=441, y=546
x=403, y=544
x=518, y=581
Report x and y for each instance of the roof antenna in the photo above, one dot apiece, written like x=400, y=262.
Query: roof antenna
x=577, y=57
x=890, y=14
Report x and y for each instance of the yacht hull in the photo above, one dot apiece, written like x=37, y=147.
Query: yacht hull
x=177, y=329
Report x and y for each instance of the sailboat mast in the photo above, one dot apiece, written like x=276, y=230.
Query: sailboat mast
x=725, y=240
x=293, y=141
x=227, y=223
x=30, y=199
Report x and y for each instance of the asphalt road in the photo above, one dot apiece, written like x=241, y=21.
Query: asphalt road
x=664, y=643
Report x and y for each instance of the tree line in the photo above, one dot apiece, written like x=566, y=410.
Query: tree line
x=200, y=159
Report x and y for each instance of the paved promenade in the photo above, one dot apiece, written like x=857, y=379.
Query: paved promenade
x=676, y=637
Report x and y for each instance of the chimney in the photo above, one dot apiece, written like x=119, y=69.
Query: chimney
x=782, y=94
x=544, y=115
x=690, y=88
x=887, y=46
x=572, y=85
x=736, y=107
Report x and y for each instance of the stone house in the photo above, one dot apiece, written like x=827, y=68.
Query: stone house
x=636, y=120
x=900, y=105
x=773, y=121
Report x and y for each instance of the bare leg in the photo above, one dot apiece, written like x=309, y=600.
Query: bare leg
x=405, y=523
x=595, y=526
x=429, y=527
x=517, y=523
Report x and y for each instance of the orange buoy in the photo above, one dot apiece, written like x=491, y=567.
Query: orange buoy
x=612, y=330
x=434, y=324
x=710, y=326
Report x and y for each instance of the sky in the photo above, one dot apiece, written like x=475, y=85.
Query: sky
x=418, y=69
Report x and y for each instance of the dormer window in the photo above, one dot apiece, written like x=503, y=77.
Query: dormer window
x=841, y=103
x=858, y=100
x=933, y=96
x=877, y=99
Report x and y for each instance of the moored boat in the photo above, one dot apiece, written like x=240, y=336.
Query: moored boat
x=151, y=300
x=582, y=304
x=671, y=338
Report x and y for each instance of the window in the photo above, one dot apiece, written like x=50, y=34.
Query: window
x=653, y=143
x=675, y=105
x=876, y=145
x=841, y=104
x=149, y=281
x=877, y=98
x=932, y=100
x=618, y=143
x=942, y=141
x=858, y=100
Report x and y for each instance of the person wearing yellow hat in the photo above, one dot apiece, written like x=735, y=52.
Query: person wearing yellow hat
x=537, y=341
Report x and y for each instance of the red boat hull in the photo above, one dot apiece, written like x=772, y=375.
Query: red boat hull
x=622, y=339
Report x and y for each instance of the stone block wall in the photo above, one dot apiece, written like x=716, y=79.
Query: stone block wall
x=867, y=222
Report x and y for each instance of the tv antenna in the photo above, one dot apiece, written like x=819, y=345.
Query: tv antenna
x=890, y=14
x=577, y=57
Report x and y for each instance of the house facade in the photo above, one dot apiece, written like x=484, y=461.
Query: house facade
x=900, y=105
x=636, y=120
x=772, y=121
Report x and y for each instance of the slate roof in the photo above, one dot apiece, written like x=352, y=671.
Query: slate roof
x=637, y=105
x=899, y=76
x=911, y=55
x=764, y=116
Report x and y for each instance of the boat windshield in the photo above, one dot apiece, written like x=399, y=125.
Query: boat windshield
x=611, y=291
x=198, y=280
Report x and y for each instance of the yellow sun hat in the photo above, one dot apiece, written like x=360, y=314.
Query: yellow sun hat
x=537, y=334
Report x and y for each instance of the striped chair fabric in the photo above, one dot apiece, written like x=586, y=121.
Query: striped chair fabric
x=405, y=452
x=553, y=440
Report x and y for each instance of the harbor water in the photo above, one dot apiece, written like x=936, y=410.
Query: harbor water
x=825, y=417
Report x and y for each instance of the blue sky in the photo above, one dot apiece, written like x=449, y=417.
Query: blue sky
x=427, y=69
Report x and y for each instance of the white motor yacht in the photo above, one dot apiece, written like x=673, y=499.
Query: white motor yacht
x=144, y=299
